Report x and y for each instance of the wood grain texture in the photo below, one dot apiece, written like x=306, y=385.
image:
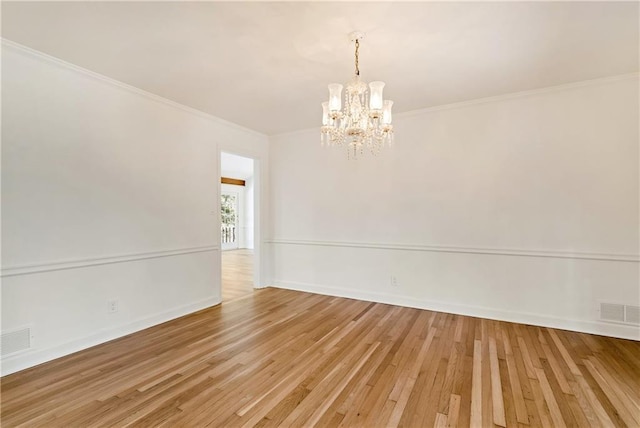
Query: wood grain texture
x=237, y=273
x=233, y=181
x=285, y=358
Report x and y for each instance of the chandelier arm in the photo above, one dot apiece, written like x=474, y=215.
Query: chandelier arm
x=357, y=48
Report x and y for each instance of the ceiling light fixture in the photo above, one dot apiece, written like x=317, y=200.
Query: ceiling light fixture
x=365, y=118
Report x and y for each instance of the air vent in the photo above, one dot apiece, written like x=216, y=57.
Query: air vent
x=15, y=341
x=616, y=312
x=632, y=314
x=611, y=312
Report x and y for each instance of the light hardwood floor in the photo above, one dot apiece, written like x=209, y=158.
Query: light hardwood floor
x=280, y=357
x=237, y=273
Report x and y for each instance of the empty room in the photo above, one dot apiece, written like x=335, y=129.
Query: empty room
x=341, y=214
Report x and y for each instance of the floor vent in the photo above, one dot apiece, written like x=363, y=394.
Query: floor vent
x=15, y=341
x=628, y=314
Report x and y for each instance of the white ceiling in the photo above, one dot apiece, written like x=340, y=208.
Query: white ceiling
x=233, y=166
x=266, y=65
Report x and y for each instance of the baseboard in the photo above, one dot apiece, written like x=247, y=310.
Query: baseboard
x=591, y=327
x=18, y=362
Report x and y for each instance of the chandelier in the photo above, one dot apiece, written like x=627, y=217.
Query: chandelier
x=364, y=121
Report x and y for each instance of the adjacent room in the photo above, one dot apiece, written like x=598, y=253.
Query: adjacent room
x=340, y=214
x=236, y=225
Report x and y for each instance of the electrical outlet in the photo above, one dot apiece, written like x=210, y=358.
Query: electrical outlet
x=394, y=281
x=112, y=306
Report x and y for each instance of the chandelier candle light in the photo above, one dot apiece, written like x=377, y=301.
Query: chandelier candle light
x=365, y=118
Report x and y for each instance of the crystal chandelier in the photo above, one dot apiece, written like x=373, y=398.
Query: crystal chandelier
x=365, y=118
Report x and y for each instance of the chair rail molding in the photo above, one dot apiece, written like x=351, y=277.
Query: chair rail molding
x=94, y=261
x=632, y=258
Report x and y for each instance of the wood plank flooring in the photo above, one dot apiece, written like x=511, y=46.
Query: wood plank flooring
x=285, y=358
x=237, y=273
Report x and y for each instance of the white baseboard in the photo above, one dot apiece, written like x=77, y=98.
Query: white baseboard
x=591, y=327
x=17, y=362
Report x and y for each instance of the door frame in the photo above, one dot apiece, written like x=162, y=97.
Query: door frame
x=259, y=211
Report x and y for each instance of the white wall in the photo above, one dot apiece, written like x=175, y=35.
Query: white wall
x=107, y=193
x=521, y=207
x=248, y=214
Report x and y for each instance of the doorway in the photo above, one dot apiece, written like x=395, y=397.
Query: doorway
x=237, y=195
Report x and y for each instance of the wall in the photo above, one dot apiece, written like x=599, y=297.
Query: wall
x=522, y=207
x=108, y=192
x=249, y=218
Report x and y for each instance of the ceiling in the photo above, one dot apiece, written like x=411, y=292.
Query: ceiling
x=266, y=65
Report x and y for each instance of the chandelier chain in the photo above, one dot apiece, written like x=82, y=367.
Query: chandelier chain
x=357, y=66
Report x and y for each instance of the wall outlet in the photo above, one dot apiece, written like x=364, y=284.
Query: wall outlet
x=112, y=306
x=394, y=281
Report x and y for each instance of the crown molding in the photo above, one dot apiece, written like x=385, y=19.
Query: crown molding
x=521, y=94
x=9, y=44
x=493, y=99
